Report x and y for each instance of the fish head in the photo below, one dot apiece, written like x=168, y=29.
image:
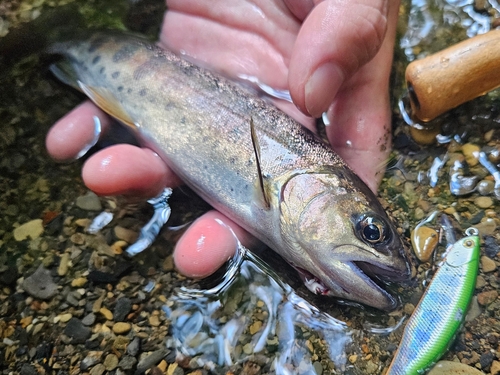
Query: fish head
x=340, y=239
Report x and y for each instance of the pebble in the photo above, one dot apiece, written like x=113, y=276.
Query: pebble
x=134, y=346
x=63, y=265
x=154, y=320
x=474, y=310
x=111, y=362
x=98, y=369
x=127, y=362
x=77, y=331
x=483, y=202
x=151, y=360
x=485, y=298
x=89, y=202
x=453, y=368
x=424, y=240
x=487, y=264
x=89, y=319
x=92, y=358
x=106, y=313
x=32, y=229
x=79, y=282
x=121, y=328
x=40, y=284
x=255, y=327
x=485, y=187
x=471, y=153
x=125, y=234
x=486, y=227
x=495, y=368
x=65, y=317
x=122, y=308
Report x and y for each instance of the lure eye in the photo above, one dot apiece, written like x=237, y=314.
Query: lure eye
x=372, y=230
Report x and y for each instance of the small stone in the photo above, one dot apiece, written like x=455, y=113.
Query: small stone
x=89, y=202
x=92, y=358
x=32, y=229
x=168, y=264
x=424, y=240
x=63, y=265
x=125, y=234
x=154, y=320
x=255, y=327
x=27, y=369
x=77, y=331
x=89, y=319
x=40, y=284
x=111, y=362
x=98, y=369
x=485, y=298
x=106, y=313
x=474, y=310
x=353, y=358
x=79, y=282
x=486, y=227
x=127, y=362
x=483, y=202
x=122, y=308
x=134, y=346
x=151, y=360
x=495, y=368
x=248, y=348
x=453, y=368
x=485, y=187
x=121, y=328
x=487, y=264
x=65, y=317
x=471, y=153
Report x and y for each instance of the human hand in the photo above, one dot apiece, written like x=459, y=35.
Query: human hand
x=337, y=59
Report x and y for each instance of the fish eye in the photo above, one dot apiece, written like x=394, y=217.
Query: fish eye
x=372, y=230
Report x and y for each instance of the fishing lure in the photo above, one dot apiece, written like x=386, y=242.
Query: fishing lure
x=441, y=311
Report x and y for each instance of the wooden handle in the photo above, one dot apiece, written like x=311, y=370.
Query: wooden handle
x=455, y=75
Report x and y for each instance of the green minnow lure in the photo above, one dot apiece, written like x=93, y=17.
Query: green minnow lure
x=441, y=311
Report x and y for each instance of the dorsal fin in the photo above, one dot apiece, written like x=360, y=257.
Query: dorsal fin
x=256, y=149
x=108, y=103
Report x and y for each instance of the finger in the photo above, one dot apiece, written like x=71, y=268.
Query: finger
x=207, y=244
x=336, y=39
x=300, y=8
x=127, y=170
x=75, y=132
x=360, y=116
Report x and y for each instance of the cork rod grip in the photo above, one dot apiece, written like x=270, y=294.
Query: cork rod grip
x=444, y=80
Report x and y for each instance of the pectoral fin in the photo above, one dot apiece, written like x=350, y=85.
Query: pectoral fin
x=256, y=148
x=108, y=103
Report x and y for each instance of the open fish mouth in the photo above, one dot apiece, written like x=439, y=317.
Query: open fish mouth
x=373, y=276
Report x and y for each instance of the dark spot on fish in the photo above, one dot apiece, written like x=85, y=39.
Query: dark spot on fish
x=129, y=91
x=169, y=106
x=115, y=75
x=183, y=120
x=125, y=53
x=96, y=59
x=101, y=71
x=148, y=68
x=120, y=88
x=143, y=92
x=96, y=43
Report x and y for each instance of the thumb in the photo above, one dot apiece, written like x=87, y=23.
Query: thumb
x=336, y=39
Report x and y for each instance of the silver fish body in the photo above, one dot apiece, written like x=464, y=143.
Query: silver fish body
x=308, y=206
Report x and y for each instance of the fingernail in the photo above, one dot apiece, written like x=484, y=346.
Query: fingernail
x=322, y=87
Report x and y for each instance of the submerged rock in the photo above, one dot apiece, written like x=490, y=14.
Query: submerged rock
x=453, y=368
x=32, y=229
x=40, y=284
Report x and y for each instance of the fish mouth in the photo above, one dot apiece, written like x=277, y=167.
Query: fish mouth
x=374, y=279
